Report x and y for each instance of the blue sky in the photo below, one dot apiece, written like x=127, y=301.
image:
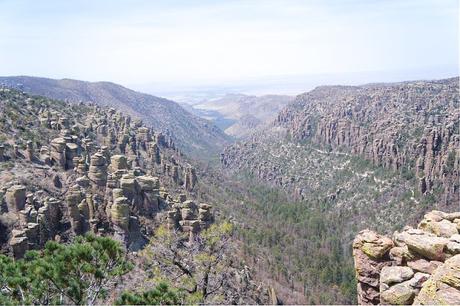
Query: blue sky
x=191, y=43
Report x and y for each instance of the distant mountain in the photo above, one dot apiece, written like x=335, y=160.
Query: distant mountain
x=248, y=113
x=410, y=128
x=376, y=156
x=196, y=136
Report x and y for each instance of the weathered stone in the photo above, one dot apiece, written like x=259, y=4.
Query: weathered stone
x=16, y=153
x=443, y=228
x=182, y=198
x=453, y=247
x=205, y=206
x=423, y=265
x=419, y=279
x=71, y=152
x=368, y=274
x=175, y=174
x=372, y=244
x=148, y=183
x=187, y=214
x=120, y=213
x=173, y=219
x=30, y=150
x=83, y=209
x=98, y=160
x=190, y=178
x=400, y=254
x=64, y=123
x=434, y=216
x=399, y=294
x=190, y=225
x=98, y=170
x=54, y=213
x=367, y=295
x=443, y=287
x=452, y=216
x=118, y=162
x=117, y=193
x=457, y=223
x=83, y=181
x=2, y=153
x=15, y=198
x=427, y=245
x=129, y=185
x=19, y=246
x=57, y=181
x=395, y=274
x=57, y=153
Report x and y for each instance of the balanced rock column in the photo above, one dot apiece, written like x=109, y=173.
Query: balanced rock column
x=98, y=169
x=149, y=187
x=190, y=178
x=70, y=153
x=30, y=150
x=118, y=162
x=2, y=152
x=57, y=153
x=119, y=213
x=15, y=198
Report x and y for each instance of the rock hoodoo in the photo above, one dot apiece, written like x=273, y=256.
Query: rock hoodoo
x=97, y=171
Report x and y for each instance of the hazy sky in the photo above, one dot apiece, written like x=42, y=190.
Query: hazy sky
x=186, y=43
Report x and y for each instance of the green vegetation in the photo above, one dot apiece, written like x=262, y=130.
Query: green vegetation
x=302, y=245
x=199, y=269
x=306, y=246
x=162, y=294
x=88, y=269
x=77, y=273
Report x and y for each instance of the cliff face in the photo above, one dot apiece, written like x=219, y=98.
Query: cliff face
x=411, y=128
x=415, y=266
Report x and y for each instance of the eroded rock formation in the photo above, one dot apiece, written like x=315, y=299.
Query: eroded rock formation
x=97, y=170
x=411, y=128
x=416, y=266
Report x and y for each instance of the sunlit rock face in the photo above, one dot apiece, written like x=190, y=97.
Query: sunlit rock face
x=415, y=266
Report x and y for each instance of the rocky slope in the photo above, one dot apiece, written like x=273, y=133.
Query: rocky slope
x=248, y=112
x=415, y=266
x=194, y=135
x=69, y=169
x=410, y=128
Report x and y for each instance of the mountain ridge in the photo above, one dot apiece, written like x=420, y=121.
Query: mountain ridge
x=248, y=112
x=195, y=135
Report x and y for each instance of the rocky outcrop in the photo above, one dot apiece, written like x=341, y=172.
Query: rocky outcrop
x=57, y=153
x=15, y=198
x=442, y=288
x=190, y=178
x=416, y=266
x=98, y=169
x=101, y=172
x=193, y=134
x=187, y=216
x=410, y=128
